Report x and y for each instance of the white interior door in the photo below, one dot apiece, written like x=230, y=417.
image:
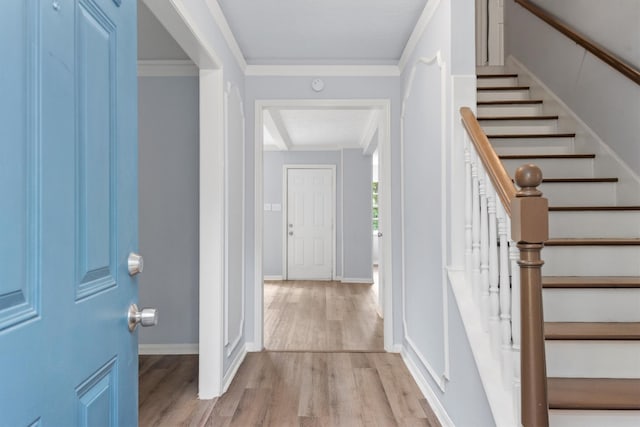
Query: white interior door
x=309, y=225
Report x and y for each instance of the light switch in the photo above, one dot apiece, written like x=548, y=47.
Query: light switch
x=277, y=207
x=267, y=207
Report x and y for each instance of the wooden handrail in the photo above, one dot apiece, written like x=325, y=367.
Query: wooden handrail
x=499, y=177
x=614, y=61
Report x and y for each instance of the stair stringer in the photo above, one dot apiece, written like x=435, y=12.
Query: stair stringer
x=607, y=163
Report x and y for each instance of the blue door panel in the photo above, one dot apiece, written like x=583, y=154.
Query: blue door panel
x=68, y=181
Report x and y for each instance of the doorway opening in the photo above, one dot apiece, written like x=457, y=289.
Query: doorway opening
x=277, y=146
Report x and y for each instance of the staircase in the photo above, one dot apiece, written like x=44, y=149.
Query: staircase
x=592, y=260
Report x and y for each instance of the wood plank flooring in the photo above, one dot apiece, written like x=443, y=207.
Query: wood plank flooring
x=281, y=389
x=343, y=379
x=321, y=316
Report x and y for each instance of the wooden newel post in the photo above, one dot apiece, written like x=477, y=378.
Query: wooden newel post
x=530, y=229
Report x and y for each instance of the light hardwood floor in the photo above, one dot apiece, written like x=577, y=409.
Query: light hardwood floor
x=321, y=316
x=282, y=389
x=344, y=378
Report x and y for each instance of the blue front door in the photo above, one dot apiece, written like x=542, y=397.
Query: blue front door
x=68, y=212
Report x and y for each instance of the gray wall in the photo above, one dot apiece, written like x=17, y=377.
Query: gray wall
x=605, y=100
x=356, y=215
x=429, y=184
x=353, y=206
x=168, y=199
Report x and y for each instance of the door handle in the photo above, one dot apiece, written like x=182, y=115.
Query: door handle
x=145, y=317
x=291, y=233
x=379, y=233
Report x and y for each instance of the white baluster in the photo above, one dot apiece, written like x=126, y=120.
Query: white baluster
x=468, y=240
x=505, y=301
x=514, y=256
x=494, y=300
x=475, y=230
x=484, y=252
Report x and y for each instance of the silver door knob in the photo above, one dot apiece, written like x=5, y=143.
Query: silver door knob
x=144, y=317
x=379, y=233
x=135, y=264
x=291, y=233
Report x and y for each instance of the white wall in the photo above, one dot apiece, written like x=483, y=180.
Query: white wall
x=168, y=203
x=604, y=99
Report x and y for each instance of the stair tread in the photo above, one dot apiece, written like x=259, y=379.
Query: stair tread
x=547, y=156
x=592, y=208
x=511, y=101
x=507, y=118
x=568, y=282
x=594, y=241
x=578, y=180
x=497, y=88
x=593, y=393
x=496, y=76
x=592, y=330
x=534, y=135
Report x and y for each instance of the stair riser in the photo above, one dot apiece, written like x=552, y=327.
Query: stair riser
x=596, y=359
x=591, y=305
x=508, y=146
x=501, y=81
x=518, y=127
x=554, y=168
x=580, y=194
x=503, y=95
x=508, y=110
x=564, y=418
x=594, y=224
x=591, y=261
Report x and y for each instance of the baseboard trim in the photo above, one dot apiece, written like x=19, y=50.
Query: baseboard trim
x=427, y=391
x=266, y=277
x=235, y=365
x=149, y=349
x=367, y=280
x=252, y=347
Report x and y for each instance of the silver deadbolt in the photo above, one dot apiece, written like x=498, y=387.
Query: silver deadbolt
x=145, y=317
x=291, y=233
x=135, y=264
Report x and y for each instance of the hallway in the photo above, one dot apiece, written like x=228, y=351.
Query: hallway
x=329, y=369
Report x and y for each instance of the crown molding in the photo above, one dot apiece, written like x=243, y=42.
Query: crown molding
x=426, y=16
x=166, y=68
x=223, y=25
x=322, y=70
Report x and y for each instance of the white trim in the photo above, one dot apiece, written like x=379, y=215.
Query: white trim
x=274, y=278
x=147, y=349
x=230, y=90
x=385, y=123
x=367, y=143
x=366, y=280
x=211, y=217
x=173, y=15
x=224, y=28
x=172, y=68
x=335, y=225
x=285, y=212
x=500, y=399
x=439, y=379
x=322, y=70
x=426, y=16
x=252, y=347
x=427, y=391
x=233, y=369
x=275, y=126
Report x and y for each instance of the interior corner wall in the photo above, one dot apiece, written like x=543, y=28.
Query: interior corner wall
x=604, y=99
x=168, y=204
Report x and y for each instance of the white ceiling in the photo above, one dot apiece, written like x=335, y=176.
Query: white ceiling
x=287, y=32
x=305, y=32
